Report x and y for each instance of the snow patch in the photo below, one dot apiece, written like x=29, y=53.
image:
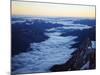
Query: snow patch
x=94, y=44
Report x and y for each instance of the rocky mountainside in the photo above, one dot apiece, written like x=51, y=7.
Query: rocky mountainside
x=83, y=58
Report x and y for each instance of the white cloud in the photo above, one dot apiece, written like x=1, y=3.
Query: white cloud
x=55, y=50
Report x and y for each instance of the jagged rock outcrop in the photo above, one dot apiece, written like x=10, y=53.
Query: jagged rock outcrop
x=82, y=59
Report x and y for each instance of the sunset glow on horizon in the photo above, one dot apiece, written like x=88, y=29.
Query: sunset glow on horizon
x=57, y=10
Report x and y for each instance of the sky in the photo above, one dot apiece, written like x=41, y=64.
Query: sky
x=49, y=9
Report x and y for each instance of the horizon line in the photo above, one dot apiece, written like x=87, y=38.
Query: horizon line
x=53, y=16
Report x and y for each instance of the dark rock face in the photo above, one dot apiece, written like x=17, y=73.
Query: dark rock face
x=84, y=55
x=79, y=58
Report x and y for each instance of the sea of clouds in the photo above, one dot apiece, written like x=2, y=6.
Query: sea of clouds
x=55, y=50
